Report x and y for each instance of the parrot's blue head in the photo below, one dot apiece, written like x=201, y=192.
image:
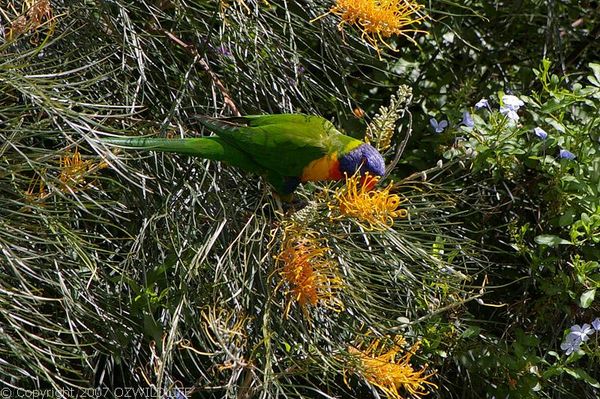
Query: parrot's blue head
x=364, y=158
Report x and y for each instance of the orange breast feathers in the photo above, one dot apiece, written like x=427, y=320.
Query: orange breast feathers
x=325, y=168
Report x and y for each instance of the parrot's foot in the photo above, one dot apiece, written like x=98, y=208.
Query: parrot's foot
x=295, y=204
x=289, y=203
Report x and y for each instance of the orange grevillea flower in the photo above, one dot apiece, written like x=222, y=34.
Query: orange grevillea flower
x=37, y=14
x=389, y=369
x=307, y=268
x=37, y=187
x=74, y=175
x=74, y=170
x=379, y=19
x=375, y=209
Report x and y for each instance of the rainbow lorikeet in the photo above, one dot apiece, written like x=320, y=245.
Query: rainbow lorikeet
x=287, y=149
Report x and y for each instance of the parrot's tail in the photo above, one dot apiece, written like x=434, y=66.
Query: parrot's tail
x=213, y=148
x=205, y=147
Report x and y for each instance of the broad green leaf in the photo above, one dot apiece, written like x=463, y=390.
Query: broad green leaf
x=556, y=124
x=551, y=240
x=587, y=298
x=595, y=80
x=471, y=331
x=581, y=374
x=567, y=218
x=553, y=371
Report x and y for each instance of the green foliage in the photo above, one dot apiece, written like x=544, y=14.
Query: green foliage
x=558, y=242
x=159, y=271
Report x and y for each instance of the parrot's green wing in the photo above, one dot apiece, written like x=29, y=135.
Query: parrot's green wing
x=284, y=143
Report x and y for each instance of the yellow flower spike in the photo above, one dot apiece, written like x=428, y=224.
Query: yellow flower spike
x=307, y=269
x=381, y=129
x=73, y=176
x=378, y=20
x=391, y=371
x=36, y=14
x=74, y=170
x=375, y=209
x=37, y=188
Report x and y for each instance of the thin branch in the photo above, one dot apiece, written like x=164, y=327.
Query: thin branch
x=215, y=79
x=400, y=147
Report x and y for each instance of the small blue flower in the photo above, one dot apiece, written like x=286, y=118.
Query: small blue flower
x=178, y=394
x=438, y=127
x=571, y=344
x=509, y=113
x=596, y=324
x=224, y=51
x=512, y=102
x=541, y=133
x=467, y=120
x=582, y=332
x=565, y=154
x=483, y=103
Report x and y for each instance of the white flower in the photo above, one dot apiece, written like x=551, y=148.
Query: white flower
x=512, y=102
x=482, y=104
x=509, y=113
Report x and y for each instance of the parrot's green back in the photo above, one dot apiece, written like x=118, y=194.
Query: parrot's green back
x=282, y=143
